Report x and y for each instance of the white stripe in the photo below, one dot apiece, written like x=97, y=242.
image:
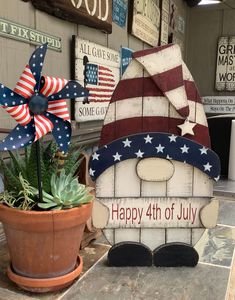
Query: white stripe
x=164, y=60
x=53, y=87
x=30, y=86
x=177, y=97
x=28, y=78
x=57, y=110
x=51, y=105
x=152, y=106
x=47, y=85
x=24, y=90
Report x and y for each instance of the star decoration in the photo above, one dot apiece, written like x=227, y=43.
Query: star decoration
x=95, y=156
x=139, y=154
x=148, y=139
x=91, y=172
x=203, y=150
x=172, y=138
x=207, y=167
x=117, y=156
x=127, y=143
x=160, y=148
x=187, y=127
x=184, y=149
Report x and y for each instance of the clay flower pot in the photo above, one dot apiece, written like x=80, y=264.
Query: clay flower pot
x=44, y=246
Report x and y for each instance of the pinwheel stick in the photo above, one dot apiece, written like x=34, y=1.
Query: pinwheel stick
x=39, y=174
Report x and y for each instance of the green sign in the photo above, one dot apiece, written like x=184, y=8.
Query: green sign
x=28, y=35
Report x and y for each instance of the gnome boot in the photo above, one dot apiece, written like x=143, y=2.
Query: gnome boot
x=175, y=255
x=129, y=254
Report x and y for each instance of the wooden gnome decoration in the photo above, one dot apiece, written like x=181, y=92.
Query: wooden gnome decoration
x=154, y=169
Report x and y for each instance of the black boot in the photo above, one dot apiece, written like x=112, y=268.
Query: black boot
x=175, y=255
x=126, y=254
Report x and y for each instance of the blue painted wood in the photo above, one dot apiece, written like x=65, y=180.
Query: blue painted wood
x=120, y=12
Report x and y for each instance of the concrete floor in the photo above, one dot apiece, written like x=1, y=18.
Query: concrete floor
x=212, y=279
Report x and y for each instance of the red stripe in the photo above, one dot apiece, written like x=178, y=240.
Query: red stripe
x=145, y=87
x=192, y=91
x=106, y=79
x=106, y=84
x=106, y=74
x=104, y=68
x=170, y=79
x=25, y=87
x=150, y=51
x=125, y=127
x=136, y=87
x=100, y=90
x=100, y=96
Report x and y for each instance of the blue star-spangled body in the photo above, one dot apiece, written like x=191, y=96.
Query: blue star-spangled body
x=182, y=149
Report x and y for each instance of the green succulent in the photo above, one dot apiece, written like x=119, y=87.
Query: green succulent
x=66, y=192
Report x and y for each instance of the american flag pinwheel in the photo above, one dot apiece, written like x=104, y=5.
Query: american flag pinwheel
x=38, y=106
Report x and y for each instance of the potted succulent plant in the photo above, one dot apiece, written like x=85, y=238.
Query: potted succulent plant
x=43, y=208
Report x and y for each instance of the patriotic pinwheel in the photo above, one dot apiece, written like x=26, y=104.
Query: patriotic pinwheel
x=38, y=106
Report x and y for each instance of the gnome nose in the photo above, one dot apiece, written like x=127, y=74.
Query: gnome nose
x=38, y=104
x=155, y=169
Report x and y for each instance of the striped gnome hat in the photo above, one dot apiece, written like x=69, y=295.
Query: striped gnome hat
x=156, y=111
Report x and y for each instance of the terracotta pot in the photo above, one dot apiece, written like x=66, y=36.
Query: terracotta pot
x=44, y=244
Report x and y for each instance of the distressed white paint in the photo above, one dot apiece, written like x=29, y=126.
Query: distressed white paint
x=129, y=108
x=200, y=117
x=100, y=214
x=177, y=97
x=155, y=169
x=131, y=235
x=134, y=70
x=152, y=238
x=202, y=184
x=155, y=106
x=105, y=183
x=182, y=235
x=186, y=73
x=197, y=234
x=209, y=214
x=110, y=115
x=127, y=183
x=154, y=212
x=180, y=185
x=109, y=235
x=153, y=189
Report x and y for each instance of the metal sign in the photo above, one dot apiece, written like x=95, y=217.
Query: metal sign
x=28, y=35
x=98, y=69
x=225, y=70
x=93, y=13
x=219, y=104
x=120, y=12
x=126, y=55
x=145, y=21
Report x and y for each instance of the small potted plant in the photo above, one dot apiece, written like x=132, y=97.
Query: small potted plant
x=43, y=208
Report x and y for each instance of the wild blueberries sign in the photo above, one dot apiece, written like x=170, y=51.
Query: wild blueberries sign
x=25, y=34
x=225, y=71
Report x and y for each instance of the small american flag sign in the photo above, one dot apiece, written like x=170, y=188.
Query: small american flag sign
x=100, y=82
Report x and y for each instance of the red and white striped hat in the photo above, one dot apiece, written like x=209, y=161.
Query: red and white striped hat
x=158, y=97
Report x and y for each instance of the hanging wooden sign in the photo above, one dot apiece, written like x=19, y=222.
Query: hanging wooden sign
x=225, y=70
x=219, y=104
x=144, y=20
x=98, y=69
x=94, y=13
x=165, y=6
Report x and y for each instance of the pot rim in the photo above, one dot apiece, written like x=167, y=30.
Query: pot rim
x=49, y=212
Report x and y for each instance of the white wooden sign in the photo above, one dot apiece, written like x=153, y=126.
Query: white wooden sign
x=225, y=70
x=164, y=22
x=145, y=23
x=219, y=104
x=98, y=69
x=152, y=212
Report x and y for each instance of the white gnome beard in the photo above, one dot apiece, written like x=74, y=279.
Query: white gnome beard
x=121, y=182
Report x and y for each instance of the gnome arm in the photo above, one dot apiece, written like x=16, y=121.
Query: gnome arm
x=100, y=214
x=209, y=214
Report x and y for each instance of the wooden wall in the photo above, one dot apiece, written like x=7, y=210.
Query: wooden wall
x=14, y=54
x=204, y=26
